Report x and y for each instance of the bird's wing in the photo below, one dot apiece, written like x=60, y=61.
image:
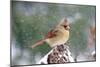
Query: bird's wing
x=51, y=34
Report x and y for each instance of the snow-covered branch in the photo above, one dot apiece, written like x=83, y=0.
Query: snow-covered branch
x=59, y=54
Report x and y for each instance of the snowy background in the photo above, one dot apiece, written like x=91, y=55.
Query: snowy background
x=31, y=21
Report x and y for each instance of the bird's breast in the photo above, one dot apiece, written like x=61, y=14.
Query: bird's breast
x=59, y=39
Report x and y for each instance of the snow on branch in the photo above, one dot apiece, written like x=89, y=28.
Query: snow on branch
x=58, y=55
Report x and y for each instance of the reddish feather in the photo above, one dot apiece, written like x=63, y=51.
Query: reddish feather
x=50, y=34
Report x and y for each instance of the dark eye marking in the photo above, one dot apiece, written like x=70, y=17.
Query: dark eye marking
x=65, y=26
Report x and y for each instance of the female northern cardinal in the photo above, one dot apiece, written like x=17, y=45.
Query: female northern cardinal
x=57, y=36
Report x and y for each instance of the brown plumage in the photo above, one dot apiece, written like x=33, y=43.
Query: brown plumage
x=57, y=36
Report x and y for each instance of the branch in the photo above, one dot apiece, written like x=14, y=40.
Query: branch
x=59, y=54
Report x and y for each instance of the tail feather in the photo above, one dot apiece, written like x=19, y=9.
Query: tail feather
x=38, y=43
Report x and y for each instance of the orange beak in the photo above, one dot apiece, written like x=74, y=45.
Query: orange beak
x=68, y=27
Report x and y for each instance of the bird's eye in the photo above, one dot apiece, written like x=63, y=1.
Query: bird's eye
x=65, y=26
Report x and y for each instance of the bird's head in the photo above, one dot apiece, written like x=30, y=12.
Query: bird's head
x=65, y=24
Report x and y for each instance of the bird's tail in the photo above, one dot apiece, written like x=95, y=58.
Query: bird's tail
x=40, y=42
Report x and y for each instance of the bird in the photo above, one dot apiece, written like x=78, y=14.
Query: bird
x=56, y=36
